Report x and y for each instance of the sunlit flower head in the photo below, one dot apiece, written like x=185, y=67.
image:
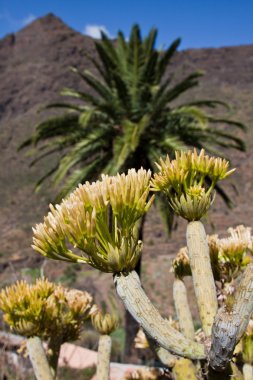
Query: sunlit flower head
x=45, y=309
x=232, y=246
x=242, y=234
x=101, y=220
x=181, y=263
x=140, y=340
x=104, y=323
x=189, y=180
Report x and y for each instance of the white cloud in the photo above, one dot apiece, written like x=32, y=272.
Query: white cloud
x=94, y=31
x=28, y=19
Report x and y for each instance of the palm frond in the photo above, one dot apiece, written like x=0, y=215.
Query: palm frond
x=79, y=175
x=165, y=59
x=47, y=175
x=96, y=84
x=83, y=151
x=87, y=98
x=171, y=94
x=208, y=103
x=235, y=123
x=71, y=107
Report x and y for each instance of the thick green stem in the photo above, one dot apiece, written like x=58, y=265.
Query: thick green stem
x=230, y=325
x=104, y=354
x=224, y=334
x=243, y=304
x=247, y=372
x=54, y=347
x=182, y=308
x=38, y=359
x=202, y=274
x=185, y=369
x=129, y=289
x=165, y=357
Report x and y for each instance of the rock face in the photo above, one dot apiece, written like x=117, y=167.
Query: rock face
x=34, y=68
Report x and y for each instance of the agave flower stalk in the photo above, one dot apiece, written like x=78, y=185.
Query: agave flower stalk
x=129, y=289
x=105, y=324
x=185, y=369
x=104, y=355
x=165, y=357
x=182, y=309
x=188, y=182
x=231, y=322
x=38, y=359
x=202, y=274
x=243, y=304
x=225, y=329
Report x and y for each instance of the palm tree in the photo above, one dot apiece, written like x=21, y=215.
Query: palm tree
x=127, y=118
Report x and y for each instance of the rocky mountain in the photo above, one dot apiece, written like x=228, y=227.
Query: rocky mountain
x=33, y=69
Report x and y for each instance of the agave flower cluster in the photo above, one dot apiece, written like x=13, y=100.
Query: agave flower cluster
x=140, y=340
x=45, y=309
x=105, y=324
x=101, y=220
x=188, y=181
x=229, y=255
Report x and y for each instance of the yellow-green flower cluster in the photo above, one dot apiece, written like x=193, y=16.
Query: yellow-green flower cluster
x=188, y=181
x=105, y=324
x=100, y=219
x=229, y=255
x=233, y=252
x=140, y=340
x=45, y=309
x=181, y=263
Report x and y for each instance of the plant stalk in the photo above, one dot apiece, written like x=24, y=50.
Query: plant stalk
x=224, y=334
x=104, y=354
x=129, y=289
x=243, y=304
x=165, y=357
x=185, y=369
x=230, y=325
x=182, y=308
x=38, y=359
x=202, y=274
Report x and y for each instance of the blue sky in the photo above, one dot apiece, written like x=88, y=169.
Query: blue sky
x=200, y=23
